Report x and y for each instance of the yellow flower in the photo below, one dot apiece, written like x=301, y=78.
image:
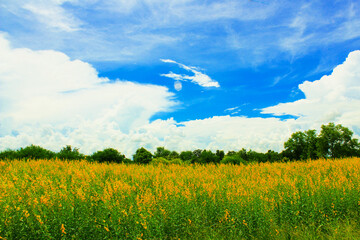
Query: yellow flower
x=26, y=213
x=62, y=229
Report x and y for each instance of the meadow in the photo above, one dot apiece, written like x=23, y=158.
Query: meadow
x=55, y=199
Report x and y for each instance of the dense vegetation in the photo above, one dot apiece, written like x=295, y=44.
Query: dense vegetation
x=334, y=141
x=42, y=199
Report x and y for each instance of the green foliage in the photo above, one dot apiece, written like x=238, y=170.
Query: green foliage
x=233, y=159
x=208, y=156
x=186, y=155
x=220, y=154
x=336, y=141
x=161, y=152
x=272, y=156
x=69, y=153
x=142, y=156
x=109, y=155
x=82, y=200
x=9, y=154
x=35, y=152
x=301, y=145
x=161, y=160
x=174, y=155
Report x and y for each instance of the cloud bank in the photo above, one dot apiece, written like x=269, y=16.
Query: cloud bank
x=50, y=100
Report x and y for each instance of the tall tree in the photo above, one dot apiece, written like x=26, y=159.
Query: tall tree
x=301, y=145
x=336, y=141
x=142, y=156
x=108, y=155
x=70, y=153
x=162, y=152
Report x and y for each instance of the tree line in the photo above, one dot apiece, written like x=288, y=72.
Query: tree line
x=333, y=141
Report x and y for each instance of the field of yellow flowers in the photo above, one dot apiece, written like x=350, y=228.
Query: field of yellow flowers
x=81, y=200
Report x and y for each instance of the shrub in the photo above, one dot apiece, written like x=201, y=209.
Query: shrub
x=9, y=154
x=233, y=159
x=35, y=152
x=160, y=160
x=176, y=161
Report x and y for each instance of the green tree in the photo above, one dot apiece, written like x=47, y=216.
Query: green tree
x=220, y=154
x=336, y=141
x=186, y=155
x=196, y=154
x=9, y=154
x=142, y=156
x=301, y=145
x=207, y=156
x=108, y=155
x=173, y=155
x=69, y=153
x=35, y=152
x=161, y=152
x=272, y=156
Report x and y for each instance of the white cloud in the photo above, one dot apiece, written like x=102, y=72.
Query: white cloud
x=304, y=34
x=231, y=109
x=120, y=30
x=53, y=15
x=333, y=98
x=198, y=78
x=46, y=90
x=50, y=100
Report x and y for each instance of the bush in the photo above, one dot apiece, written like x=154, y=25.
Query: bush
x=176, y=161
x=9, y=154
x=233, y=159
x=142, y=156
x=109, y=155
x=35, y=152
x=160, y=160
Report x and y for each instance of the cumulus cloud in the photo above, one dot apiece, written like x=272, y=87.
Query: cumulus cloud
x=43, y=92
x=333, y=98
x=50, y=100
x=198, y=78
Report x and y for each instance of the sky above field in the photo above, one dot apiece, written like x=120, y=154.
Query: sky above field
x=184, y=74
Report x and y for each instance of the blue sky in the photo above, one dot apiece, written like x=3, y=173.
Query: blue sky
x=180, y=74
